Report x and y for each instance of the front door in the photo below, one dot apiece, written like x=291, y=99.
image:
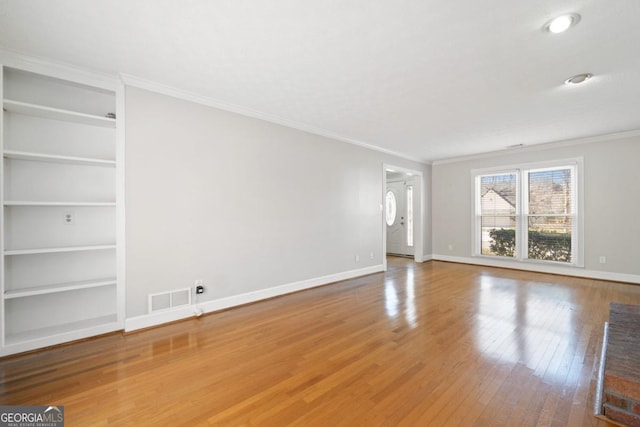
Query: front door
x=399, y=218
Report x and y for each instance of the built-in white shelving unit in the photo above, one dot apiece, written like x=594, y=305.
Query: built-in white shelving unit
x=56, y=250
x=63, y=287
x=57, y=113
x=23, y=203
x=22, y=155
x=61, y=215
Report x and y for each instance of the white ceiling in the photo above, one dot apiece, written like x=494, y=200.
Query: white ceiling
x=429, y=79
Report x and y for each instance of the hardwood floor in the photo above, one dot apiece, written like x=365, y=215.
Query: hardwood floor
x=434, y=344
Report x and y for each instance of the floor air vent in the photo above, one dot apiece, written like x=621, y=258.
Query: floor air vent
x=167, y=300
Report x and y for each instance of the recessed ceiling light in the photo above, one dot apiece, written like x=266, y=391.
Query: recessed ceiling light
x=577, y=79
x=561, y=23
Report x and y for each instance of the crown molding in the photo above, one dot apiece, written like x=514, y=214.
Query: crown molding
x=59, y=70
x=540, y=147
x=111, y=81
x=174, y=92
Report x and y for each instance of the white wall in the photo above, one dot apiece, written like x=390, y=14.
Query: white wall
x=611, y=201
x=242, y=203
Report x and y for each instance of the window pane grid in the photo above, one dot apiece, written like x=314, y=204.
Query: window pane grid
x=538, y=222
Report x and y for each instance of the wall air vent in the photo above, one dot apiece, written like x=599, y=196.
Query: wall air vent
x=164, y=301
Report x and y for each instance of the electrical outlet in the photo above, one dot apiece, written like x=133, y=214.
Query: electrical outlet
x=69, y=218
x=357, y=258
x=450, y=247
x=199, y=285
x=603, y=260
x=371, y=255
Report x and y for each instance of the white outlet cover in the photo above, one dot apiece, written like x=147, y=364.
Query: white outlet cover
x=69, y=218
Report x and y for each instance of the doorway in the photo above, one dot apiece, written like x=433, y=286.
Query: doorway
x=402, y=213
x=399, y=214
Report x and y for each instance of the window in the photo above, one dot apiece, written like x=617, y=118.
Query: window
x=390, y=201
x=550, y=212
x=409, y=215
x=529, y=213
x=498, y=194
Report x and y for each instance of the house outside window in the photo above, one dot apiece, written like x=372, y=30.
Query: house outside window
x=529, y=212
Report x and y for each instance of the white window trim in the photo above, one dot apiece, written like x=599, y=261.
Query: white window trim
x=577, y=242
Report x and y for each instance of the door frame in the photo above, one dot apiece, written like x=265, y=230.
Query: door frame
x=418, y=224
x=399, y=183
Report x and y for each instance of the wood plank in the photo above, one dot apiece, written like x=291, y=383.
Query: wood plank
x=422, y=344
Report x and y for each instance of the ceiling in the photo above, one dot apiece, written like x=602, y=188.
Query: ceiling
x=428, y=79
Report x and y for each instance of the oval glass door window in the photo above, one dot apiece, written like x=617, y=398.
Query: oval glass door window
x=391, y=208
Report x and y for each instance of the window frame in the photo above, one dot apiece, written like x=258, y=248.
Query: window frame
x=521, y=212
x=409, y=203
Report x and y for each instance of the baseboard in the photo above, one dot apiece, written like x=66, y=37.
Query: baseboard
x=158, y=318
x=426, y=258
x=155, y=319
x=542, y=268
x=55, y=340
